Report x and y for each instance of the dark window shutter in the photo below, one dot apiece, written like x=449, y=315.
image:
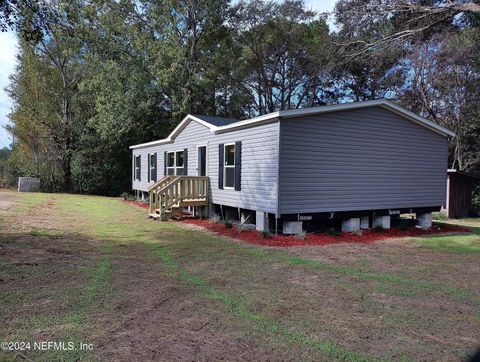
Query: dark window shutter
x=148, y=167
x=154, y=175
x=165, y=163
x=185, y=161
x=220, y=166
x=238, y=165
x=199, y=166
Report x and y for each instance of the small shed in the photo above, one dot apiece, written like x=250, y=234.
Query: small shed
x=459, y=193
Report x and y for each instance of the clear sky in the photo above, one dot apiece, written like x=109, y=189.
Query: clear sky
x=8, y=51
x=321, y=5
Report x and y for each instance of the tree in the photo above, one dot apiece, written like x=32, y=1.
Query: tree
x=26, y=16
x=376, y=73
x=284, y=54
x=185, y=35
x=34, y=125
x=443, y=86
x=100, y=75
x=60, y=48
x=409, y=20
x=437, y=47
x=4, y=155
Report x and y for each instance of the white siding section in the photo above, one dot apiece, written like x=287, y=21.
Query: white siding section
x=259, y=163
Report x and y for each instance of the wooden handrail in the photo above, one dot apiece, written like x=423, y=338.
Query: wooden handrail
x=175, y=189
x=156, y=188
x=160, y=183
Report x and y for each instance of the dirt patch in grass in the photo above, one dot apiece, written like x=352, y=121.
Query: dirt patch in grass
x=405, y=257
x=382, y=298
x=148, y=316
x=6, y=205
x=159, y=319
x=7, y=200
x=381, y=318
x=44, y=248
x=40, y=216
x=41, y=285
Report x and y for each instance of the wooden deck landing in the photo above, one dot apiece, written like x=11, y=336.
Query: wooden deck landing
x=172, y=193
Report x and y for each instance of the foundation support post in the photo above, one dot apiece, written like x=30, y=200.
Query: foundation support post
x=381, y=221
x=425, y=220
x=350, y=225
x=364, y=222
x=261, y=221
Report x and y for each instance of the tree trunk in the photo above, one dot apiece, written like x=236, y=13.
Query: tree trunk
x=67, y=140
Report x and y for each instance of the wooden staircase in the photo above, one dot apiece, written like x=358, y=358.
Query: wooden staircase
x=171, y=194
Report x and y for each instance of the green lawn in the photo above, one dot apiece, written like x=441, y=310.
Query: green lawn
x=95, y=270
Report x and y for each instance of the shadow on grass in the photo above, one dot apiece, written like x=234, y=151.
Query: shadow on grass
x=61, y=280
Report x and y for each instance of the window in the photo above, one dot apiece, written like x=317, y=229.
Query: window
x=202, y=161
x=171, y=163
x=175, y=163
x=229, y=166
x=179, y=163
x=137, y=167
x=152, y=167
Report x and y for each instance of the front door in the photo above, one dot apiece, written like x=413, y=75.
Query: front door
x=202, y=161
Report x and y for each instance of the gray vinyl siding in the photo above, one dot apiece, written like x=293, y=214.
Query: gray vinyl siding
x=361, y=159
x=259, y=172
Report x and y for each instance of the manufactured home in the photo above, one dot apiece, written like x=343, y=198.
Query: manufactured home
x=357, y=164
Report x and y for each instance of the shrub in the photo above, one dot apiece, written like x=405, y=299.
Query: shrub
x=333, y=232
x=228, y=224
x=440, y=216
x=402, y=226
x=301, y=235
x=265, y=234
x=215, y=219
x=128, y=196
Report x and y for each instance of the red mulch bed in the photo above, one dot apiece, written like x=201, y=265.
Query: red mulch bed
x=368, y=236
x=136, y=203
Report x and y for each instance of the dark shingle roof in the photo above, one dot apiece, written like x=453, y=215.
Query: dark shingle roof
x=216, y=121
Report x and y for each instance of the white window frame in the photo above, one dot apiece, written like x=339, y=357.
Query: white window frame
x=170, y=167
x=150, y=167
x=175, y=161
x=229, y=166
x=137, y=166
x=206, y=159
